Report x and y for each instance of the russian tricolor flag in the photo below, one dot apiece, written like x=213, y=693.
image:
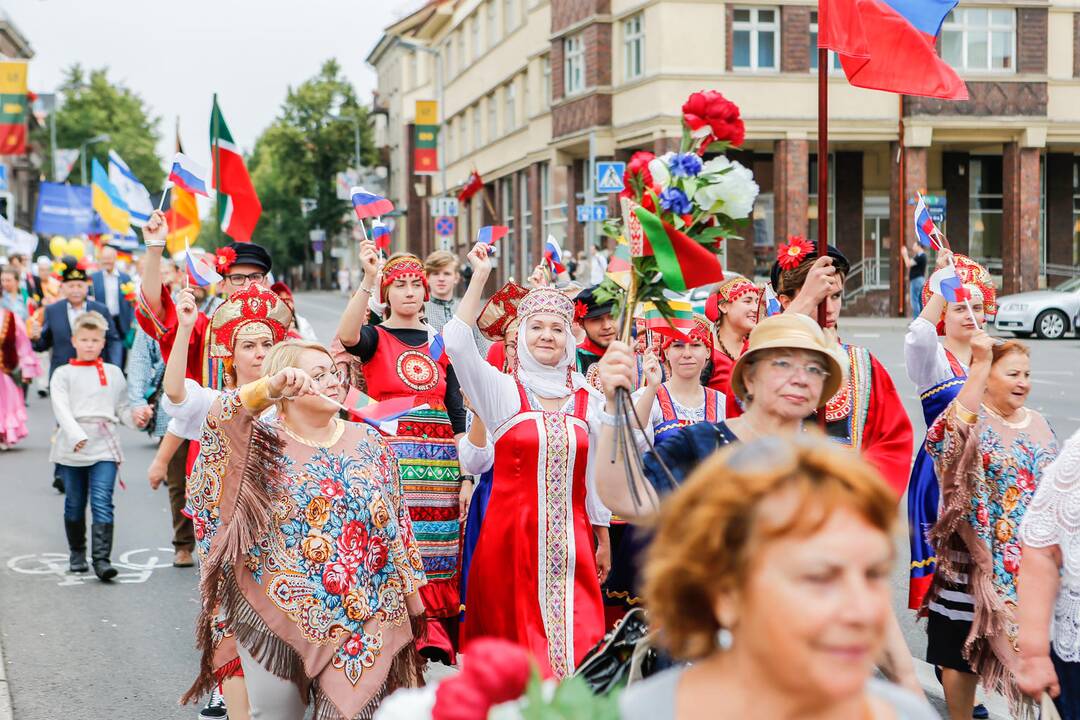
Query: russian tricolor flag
x=925, y=228
x=380, y=234
x=491, y=234
x=553, y=255
x=946, y=283
x=772, y=303
x=368, y=204
x=382, y=416
x=188, y=175
x=201, y=268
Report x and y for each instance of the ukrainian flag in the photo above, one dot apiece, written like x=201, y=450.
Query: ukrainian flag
x=107, y=201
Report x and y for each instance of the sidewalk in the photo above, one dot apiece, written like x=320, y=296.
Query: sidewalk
x=6, y=710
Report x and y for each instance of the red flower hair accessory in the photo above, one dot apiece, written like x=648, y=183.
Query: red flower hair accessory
x=791, y=253
x=580, y=309
x=224, y=259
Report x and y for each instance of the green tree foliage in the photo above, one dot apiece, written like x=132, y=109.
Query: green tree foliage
x=312, y=139
x=93, y=105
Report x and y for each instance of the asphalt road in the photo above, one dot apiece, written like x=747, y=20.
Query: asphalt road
x=76, y=648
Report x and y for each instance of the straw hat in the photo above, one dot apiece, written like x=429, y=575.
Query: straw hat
x=792, y=331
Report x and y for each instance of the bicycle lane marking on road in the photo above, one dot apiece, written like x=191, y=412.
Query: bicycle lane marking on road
x=55, y=564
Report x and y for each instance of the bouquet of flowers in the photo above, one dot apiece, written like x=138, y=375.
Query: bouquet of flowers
x=498, y=681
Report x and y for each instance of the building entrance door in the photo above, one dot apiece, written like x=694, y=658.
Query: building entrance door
x=877, y=243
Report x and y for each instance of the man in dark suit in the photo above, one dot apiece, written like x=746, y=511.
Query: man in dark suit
x=106, y=284
x=55, y=333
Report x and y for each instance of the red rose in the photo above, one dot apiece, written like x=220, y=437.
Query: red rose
x=352, y=543
x=377, y=553
x=331, y=488
x=646, y=199
x=336, y=578
x=639, y=166
x=200, y=527
x=982, y=515
x=712, y=117
x=354, y=645
x=1025, y=480
x=1011, y=558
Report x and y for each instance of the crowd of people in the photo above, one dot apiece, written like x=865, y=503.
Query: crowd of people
x=337, y=558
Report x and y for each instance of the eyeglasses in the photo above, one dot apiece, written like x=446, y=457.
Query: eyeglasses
x=330, y=378
x=789, y=369
x=242, y=279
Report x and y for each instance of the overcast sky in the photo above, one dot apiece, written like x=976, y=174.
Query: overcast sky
x=177, y=53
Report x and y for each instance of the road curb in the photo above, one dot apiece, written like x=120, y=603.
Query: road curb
x=7, y=712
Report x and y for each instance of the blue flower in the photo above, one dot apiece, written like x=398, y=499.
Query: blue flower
x=675, y=200
x=685, y=165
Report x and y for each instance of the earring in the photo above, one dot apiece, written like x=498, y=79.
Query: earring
x=724, y=639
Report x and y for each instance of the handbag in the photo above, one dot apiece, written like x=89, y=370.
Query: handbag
x=624, y=655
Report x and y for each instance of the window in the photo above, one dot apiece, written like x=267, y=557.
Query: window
x=510, y=106
x=492, y=118
x=755, y=33
x=506, y=200
x=450, y=55
x=554, y=213
x=545, y=81
x=463, y=137
x=492, y=28
x=980, y=39
x=634, y=43
x=510, y=15
x=574, y=65
x=985, y=206
x=463, y=62
x=525, y=203
x=475, y=36
x=477, y=137
x=834, y=59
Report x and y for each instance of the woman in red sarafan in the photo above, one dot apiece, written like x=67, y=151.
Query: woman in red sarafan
x=733, y=310
x=537, y=567
x=403, y=357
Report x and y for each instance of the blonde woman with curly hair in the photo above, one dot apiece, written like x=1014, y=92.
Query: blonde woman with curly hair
x=775, y=584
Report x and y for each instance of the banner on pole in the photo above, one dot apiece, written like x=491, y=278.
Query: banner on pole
x=426, y=138
x=63, y=210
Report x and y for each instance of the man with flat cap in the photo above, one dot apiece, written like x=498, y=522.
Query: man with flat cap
x=599, y=326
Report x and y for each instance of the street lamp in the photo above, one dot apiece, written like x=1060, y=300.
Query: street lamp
x=103, y=137
x=438, y=96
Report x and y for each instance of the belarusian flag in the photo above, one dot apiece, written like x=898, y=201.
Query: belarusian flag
x=238, y=206
x=13, y=108
x=677, y=325
x=684, y=262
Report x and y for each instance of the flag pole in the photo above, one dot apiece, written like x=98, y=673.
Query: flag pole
x=823, y=167
x=164, y=192
x=901, y=236
x=215, y=151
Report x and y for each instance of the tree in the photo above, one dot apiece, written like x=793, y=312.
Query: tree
x=93, y=106
x=298, y=156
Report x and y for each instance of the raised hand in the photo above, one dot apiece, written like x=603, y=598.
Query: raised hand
x=292, y=383
x=187, y=310
x=369, y=259
x=982, y=347
x=479, y=259
x=156, y=230
x=650, y=368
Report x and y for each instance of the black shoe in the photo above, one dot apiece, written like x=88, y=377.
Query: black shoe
x=979, y=712
x=43, y=393
x=58, y=484
x=215, y=707
x=76, y=537
x=101, y=537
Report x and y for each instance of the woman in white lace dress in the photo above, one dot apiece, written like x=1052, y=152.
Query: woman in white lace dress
x=1049, y=610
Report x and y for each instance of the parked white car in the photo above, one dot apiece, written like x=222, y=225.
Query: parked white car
x=1046, y=313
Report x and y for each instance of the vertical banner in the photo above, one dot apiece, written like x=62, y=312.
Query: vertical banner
x=426, y=138
x=13, y=107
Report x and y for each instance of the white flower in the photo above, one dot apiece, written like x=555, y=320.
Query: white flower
x=506, y=711
x=658, y=168
x=408, y=704
x=731, y=193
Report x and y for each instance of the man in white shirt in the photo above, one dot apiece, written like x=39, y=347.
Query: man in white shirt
x=108, y=285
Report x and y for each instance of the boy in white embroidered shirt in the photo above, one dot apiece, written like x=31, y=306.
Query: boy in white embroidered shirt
x=89, y=397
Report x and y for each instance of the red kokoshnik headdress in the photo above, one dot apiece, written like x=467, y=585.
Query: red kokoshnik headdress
x=500, y=311
x=700, y=332
x=401, y=267
x=728, y=292
x=976, y=279
x=251, y=310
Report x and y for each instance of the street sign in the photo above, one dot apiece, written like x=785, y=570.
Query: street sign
x=443, y=206
x=317, y=235
x=307, y=205
x=444, y=226
x=609, y=176
x=935, y=205
x=591, y=213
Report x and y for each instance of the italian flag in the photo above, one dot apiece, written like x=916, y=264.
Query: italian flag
x=238, y=205
x=684, y=262
x=676, y=325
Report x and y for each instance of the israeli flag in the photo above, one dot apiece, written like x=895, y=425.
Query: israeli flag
x=130, y=189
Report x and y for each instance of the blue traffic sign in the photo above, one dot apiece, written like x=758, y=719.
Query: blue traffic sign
x=609, y=177
x=591, y=213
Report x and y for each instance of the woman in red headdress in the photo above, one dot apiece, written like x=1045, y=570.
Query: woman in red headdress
x=733, y=310
x=403, y=357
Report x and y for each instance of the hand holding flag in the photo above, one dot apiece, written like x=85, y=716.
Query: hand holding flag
x=490, y=234
x=201, y=268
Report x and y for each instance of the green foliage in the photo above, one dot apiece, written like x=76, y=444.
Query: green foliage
x=311, y=139
x=92, y=105
x=572, y=701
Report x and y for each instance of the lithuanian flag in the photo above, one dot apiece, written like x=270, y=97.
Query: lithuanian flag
x=676, y=325
x=619, y=267
x=13, y=107
x=107, y=201
x=684, y=262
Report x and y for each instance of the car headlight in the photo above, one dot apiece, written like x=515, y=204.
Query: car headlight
x=1017, y=307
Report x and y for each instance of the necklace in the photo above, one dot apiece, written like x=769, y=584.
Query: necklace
x=339, y=428
x=1023, y=422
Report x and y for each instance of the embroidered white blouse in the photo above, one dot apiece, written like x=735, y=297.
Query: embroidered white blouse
x=924, y=356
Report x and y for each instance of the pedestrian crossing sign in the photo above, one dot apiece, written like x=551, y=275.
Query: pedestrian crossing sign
x=609, y=177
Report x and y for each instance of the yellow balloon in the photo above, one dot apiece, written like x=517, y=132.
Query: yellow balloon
x=76, y=248
x=58, y=246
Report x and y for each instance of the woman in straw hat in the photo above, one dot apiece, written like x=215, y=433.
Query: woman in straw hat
x=789, y=369
x=537, y=567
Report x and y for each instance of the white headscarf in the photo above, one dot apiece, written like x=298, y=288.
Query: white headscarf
x=549, y=381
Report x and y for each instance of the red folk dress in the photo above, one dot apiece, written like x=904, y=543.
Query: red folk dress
x=427, y=461
x=534, y=570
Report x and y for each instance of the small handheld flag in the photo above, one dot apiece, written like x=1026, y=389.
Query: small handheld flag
x=368, y=204
x=200, y=269
x=772, y=303
x=436, y=347
x=677, y=325
x=553, y=255
x=491, y=234
x=380, y=234
x=188, y=175
x=925, y=228
x=946, y=283
x=380, y=415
